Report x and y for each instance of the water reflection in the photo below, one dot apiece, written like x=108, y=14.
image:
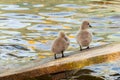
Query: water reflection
x=58, y=14
x=72, y=6
x=103, y=71
x=45, y=27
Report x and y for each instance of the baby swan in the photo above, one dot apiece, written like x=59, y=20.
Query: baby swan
x=84, y=37
x=60, y=44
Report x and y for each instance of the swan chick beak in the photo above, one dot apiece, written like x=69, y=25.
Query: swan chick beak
x=90, y=26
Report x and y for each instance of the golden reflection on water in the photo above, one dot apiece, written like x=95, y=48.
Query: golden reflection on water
x=91, y=61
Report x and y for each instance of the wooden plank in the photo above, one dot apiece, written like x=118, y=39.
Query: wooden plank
x=87, y=57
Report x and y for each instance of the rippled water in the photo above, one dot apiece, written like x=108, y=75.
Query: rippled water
x=103, y=71
x=28, y=27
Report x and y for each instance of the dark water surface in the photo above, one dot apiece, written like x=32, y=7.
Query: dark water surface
x=102, y=71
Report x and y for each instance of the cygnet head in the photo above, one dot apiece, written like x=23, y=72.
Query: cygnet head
x=85, y=25
x=61, y=34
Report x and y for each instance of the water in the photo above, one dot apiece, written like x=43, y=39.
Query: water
x=28, y=27
x=103, y=71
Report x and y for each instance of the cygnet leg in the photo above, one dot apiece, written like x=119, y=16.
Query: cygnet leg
x=62, y=53
x=55, y=56
x=80, y=48
x=88, y=47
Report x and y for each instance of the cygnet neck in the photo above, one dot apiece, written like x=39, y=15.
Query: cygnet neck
x=62, y=34
x=83, y=29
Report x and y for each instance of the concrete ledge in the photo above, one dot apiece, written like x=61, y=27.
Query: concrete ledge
x=87, y=57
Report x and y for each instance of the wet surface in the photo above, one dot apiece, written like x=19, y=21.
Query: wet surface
x=27, y=28
x=102, y=71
